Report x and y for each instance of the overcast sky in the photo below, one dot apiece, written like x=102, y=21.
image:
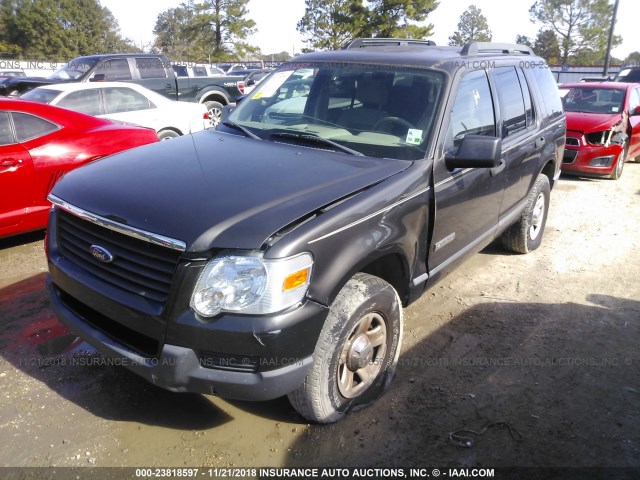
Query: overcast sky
x=276, y=21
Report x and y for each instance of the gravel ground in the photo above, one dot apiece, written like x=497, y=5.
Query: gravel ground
x=537, y=354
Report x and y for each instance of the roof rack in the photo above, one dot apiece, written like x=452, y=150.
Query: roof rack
x=476, y=48
x=384, y=42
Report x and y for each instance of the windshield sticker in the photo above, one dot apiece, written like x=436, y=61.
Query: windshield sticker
x=271, y=87
x=414, y=136
x=615, y=109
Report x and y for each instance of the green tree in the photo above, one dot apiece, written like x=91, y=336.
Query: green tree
x=472, y=27
x=328, y=24
x=633, y=58
x=581, y=26
x=227, y=20
x=397, y=18
x=547, y=46
x=62, y=29
x=524, y=40
x=212, y=30
x=177, y=36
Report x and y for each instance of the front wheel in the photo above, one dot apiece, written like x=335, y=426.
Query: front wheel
x=357, y=352
x=526, y=234
x=215, y=112
x=622, y=157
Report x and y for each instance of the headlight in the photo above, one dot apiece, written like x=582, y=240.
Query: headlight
x=251, y=284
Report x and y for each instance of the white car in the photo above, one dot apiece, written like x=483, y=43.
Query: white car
x=126, y=102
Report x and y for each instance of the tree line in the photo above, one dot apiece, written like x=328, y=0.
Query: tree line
x=571, y=31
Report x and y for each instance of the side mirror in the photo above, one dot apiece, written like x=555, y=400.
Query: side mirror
x=249, y=82
x=476, y=151
x=98, y=77
x=226, y=111
x=635, y=111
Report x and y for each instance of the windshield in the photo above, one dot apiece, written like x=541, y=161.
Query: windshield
x=380, y=111
x=42, y=95
x=592, y=99
x=74, y=69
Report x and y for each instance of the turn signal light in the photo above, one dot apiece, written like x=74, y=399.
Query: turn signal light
x=295, y=280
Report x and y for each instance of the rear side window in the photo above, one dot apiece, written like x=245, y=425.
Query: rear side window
x=199, y=72
x=84, y=101
x=120, y=99
x=6, y=135
x=115, y=70
x=511, y=100
x=549, y=91
x=151, y=68
x=29, y=127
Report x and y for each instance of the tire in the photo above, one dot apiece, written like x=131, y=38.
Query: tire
x=356, y=355
x=622, y=157
x=525, y=235
x=167, y=135
x=215, y=112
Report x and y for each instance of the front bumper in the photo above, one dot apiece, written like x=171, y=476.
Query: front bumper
x=590, y=159
x=182, y=369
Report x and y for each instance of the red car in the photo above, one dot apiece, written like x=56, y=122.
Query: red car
x=603, y=127
x=38, y=144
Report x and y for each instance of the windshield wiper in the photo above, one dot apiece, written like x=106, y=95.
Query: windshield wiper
x=245, y=130
x=310, y=138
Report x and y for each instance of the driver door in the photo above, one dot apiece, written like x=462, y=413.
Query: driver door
x=468, y=200
x=16, y=182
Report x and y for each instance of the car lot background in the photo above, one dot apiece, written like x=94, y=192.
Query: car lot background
x=546, y=343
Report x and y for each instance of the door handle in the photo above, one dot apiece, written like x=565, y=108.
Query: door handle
x=539, y=142
x=10, y=162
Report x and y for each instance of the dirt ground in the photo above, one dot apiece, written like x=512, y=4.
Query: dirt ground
x=536, y=353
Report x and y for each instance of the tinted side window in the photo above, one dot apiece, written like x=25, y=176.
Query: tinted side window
x=526, y=94
x=511, y=100
x=151, y=68
x=199, y=72
x=118, y=100
x=6, y=135
x=473, y=109
x=85, y=101
x=115, y=70
x=548, y=90
x=29, y=127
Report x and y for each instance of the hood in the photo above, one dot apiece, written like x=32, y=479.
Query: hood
x=591, y=122
x=22, y=84
x=215, y=190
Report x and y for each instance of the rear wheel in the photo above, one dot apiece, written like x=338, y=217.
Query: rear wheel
x=167, y=135
x=357, y=352
x=215, y=112
x=526, y=234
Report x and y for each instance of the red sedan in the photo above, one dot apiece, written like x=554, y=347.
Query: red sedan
x=38, y=144
x=603, y=127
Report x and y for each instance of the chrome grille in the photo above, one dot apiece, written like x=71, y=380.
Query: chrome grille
x=138, y=267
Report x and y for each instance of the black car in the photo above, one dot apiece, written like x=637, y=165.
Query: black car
x=273, y=256
x=628, y=75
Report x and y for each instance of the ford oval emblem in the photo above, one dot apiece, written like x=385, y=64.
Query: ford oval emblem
x=101, y=253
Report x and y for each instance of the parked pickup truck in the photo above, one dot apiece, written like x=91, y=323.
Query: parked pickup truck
x=273, y=255
x=153, y=71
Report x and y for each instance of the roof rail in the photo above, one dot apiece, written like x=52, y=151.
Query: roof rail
x=383, y=42
x=476, y=48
